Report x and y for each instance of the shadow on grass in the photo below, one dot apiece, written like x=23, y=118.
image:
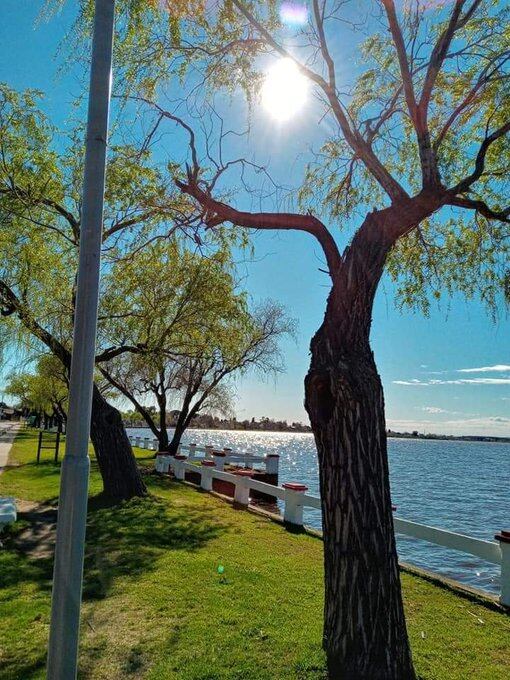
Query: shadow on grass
x=122, y=540
x=25, y=670
x=126, y=540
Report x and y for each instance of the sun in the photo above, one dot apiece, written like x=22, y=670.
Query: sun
x=285, y=90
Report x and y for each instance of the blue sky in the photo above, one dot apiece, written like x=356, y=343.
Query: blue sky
x=422, y=361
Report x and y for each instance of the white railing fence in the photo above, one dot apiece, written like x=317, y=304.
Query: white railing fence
x=222, y=457
x=296, y=499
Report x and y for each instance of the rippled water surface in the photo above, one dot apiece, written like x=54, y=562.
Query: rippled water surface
x=460, y=486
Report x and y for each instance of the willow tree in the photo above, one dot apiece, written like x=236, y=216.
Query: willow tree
x=204, y=334
x=40, y=222
x=414, y=167
x=43, y=391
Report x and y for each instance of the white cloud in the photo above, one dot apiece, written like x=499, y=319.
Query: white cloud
x=498, y=368
x=414, y=382
x=438, y=410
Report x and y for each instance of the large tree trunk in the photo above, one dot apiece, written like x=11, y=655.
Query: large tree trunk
x=364, y=635
x=117, y=464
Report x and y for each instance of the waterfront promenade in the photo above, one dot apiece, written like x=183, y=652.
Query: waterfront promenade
x=8, y=432
x=182, y=586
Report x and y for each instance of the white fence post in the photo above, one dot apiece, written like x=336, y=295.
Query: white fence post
x=504, y=543
x=159, y=462
x=178, y=465
x=272, y=463
x=209, y=451
x=242, y=488
x=146, y=443
x=206, y=474
x=192, y=450
x=219, y=459
x=293, y=513
x=163, y=463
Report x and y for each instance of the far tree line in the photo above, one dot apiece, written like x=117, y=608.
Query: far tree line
x=209, y=421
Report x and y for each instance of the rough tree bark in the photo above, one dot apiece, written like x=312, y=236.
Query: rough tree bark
x=364, y=635
x=117, y=464
x=173, y=446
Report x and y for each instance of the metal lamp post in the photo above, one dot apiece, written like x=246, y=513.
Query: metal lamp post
x=72, y=511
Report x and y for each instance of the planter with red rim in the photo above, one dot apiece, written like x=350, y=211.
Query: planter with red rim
x=244, y=473
x=503, y=537
x=294, y=486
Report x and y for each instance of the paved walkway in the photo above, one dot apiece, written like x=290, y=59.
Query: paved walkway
x=8, y=433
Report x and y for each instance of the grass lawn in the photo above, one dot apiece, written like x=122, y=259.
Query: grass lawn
x=155, y=606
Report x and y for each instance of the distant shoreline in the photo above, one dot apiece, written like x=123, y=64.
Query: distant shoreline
x=391, y=434
x=451, y=437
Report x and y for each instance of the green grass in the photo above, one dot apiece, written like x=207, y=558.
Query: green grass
x=155, y=606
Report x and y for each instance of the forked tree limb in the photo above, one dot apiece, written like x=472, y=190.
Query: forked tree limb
x=217, y=212
x=466, y=183
x=482, y=208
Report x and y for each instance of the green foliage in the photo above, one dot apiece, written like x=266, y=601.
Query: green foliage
x=45, y=390
x=40, y=215
x=223, y=51
x=190, y=328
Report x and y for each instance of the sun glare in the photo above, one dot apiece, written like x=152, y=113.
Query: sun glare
x=285, y=90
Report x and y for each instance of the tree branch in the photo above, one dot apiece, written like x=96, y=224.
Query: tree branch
x=353, y=137
x=126, y=393
x=217, y=212
x=440, y=49
x=466, y=183
x=405, y=71
x=9, y=297
x=481, y=207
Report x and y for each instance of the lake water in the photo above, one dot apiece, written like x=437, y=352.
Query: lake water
x=460, y=486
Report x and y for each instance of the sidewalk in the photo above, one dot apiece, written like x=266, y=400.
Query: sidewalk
x=8, y=433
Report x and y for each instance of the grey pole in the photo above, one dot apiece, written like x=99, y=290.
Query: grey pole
x=72, y=511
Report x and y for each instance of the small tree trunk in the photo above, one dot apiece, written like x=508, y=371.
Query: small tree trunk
x=163, y=432
x=180, y=428
x=163, y=439
x=117, y=464
x=364, y=634
x=185, y=415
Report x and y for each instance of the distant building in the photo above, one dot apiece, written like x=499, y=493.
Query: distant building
x=8, y=413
